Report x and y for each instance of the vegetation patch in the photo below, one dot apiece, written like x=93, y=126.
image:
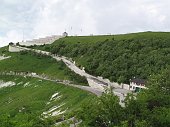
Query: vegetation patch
x=24, y=106
x=118, y=58
x=40, y=64
x=150, y=108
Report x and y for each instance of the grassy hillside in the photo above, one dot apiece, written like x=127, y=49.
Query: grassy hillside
x=31, y=62
x=101, y=38
x=118, y=57
x=22, y=105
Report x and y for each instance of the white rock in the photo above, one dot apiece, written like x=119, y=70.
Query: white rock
x=6, y=84
x=54, y=95
x=26, y=84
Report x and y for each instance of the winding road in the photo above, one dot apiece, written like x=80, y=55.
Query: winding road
x=97, y=85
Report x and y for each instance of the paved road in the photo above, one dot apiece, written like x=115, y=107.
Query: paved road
x=90, y=89
x=64, y=82
x=74, y=68
x=117, y=89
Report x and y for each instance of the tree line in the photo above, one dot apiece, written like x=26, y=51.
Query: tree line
x=150, y=108
x=118, y=60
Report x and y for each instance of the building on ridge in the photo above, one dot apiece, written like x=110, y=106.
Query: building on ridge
x=65, y=34
x=136, y=84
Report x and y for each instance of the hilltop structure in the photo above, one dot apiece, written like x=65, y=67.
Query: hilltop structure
x=65, y=34
x=42, y=41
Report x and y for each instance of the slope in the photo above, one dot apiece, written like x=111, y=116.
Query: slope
x=25, y=103
x=117, y=57
x=40, y=64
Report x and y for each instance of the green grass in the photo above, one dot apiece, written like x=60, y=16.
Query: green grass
x=117, y=57
x=3, y=50
x=29, y=62
x=34, y=98
x=101, y=38
x=85, y=39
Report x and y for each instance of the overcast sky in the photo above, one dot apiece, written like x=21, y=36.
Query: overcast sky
x=40, y=18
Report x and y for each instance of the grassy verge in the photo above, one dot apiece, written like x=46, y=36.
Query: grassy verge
x=22, y=106
x=40, y=64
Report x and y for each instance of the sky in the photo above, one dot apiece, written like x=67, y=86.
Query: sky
x=28, y=19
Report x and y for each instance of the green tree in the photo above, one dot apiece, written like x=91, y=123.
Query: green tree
x=103, y=112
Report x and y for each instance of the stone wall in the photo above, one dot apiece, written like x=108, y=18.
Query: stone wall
x=14, y=48
x=41, y=41
x=32, y=74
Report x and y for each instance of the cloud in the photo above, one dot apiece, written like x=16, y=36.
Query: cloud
x=130, y=16
x=11, y=36
x=83, y=17
x=58, y=16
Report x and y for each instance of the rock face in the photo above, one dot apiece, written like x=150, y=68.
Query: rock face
x=6, y=84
